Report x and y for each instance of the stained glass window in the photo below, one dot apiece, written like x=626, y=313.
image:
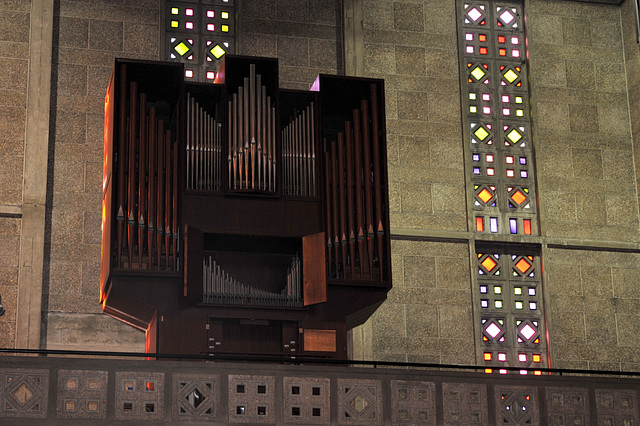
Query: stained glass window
x=495, y=99
x=199, y=33
x=510, y=318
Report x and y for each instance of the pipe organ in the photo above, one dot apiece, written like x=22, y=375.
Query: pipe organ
x=239, y=217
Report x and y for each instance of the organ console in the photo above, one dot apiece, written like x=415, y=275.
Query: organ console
x=239, y=217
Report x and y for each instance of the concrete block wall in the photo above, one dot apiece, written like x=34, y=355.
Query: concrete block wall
x=14, y=65
x=87, y=37
x=303, y=35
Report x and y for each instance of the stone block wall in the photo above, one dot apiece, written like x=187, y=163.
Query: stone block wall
x=14, y=65
x=582, y=132
x=593, y=309
x=88, y=36
x=303, y=35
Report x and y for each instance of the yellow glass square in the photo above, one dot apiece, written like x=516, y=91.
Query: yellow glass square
x=224, y=28
x=517, y=290
x=510, y=76
x=518, y=305
x=477, y=73
x=217, y=51
x=181, y=48
x=473, y=109
x=472, y=96
x=175, y=11
x=497, y=289
x=518, y=99
x=174, y=24
x=481, y=133
x=520, y=113
x=224, y=15
x=498, y=304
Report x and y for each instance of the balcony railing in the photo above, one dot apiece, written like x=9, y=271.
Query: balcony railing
x=96, y=388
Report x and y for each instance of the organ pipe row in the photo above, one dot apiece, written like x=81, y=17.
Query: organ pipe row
x=204, y=148
x=299, y=154
x=252, y=137
x=354, y=210
x=220, y=287
x=147, y=189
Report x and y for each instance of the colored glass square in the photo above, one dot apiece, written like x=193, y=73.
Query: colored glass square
x=211, y=75
x=468, y=36
x=211, y=27
x=175, y=10
x=473, y=109
x=489, y=158
x=522, y=357
x=520, y=113
x=217, y=51
x=514, y=40
x=483, y=288
x=224, y=28
x=484, y=303
x=505, y=99
x=502, y=39
x=486, y=97
x=486, y=110
x=502, y=356
x=181, y=48
x=518, y=305
x=482, y=37
x=188, y=25
x=497, y=289
x=174, y=24
x=481, y=133
x=478, y=73
x=472, y=96
x=498, y=304
x=518, y=99
x=515, y=53
x=502, y=52
x=506, y=111
x=510, y=173
x=491, y=171
x=517, y=291
x=523, y=266
x=485, y=196
x=188, y=12
x=188, y=73
x=483, y=51
x=470, y=49
x=224, y=15
x=536, y=358
x=211, y=14
x=489, y=264
x=514, y=136
x=488, y=356
x=509, y=159
x=510, y=76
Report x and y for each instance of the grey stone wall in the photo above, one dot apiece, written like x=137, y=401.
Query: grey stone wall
x=303, y=35
x=582, y=132
x=14, y=64
x=88, y=35
x=593, y=309
x=412, y=46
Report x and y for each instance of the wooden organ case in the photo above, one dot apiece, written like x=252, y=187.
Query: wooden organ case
x=241, y=218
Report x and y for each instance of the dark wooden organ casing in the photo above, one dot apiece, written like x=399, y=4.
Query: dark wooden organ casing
x=241, y=218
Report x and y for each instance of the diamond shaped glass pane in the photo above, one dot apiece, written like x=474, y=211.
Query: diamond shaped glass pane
x=474, y=14
x=518, y=197
x=510, y=76
x=217, y=51
x=478, y=73
x=22, y=394
x=485, y=195
x=527, y=331
x=493, y=330
x=489, y=264
x=514, y=136
x=481, y=133
x=523, y=266
x=506, y=17
x=181, y=48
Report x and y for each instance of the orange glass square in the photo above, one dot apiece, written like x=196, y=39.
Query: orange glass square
x=487, y=356
x=482, y=37
x=479, y=224
x=489, y=264
x=502, y=52
x=536, y=358
x=502, y=39
x=485, y=195
x=527, y=226
x=523, y=266
x=483, y=50
x=518, y=197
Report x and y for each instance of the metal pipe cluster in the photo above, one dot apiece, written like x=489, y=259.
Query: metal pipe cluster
x=299, y=154
x=147, y=188
x=252, y=137
x=355, y=227
x=204, y=148
x=220, y=287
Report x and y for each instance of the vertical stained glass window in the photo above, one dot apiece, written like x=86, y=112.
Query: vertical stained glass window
x=510, y=318
x=199, y=33
x=496, y=105
x=508, y=310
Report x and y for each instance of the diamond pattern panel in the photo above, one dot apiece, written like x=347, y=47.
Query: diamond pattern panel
x=464, y=404
x=306, y=400
x=413, y=403
x=360, y=401
x=251, y=399
x=82, y=394
x=567, y=406
x=516, y=405
x=196, y=397
x=139, y=396
x=24, y=393
x=617, y=407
